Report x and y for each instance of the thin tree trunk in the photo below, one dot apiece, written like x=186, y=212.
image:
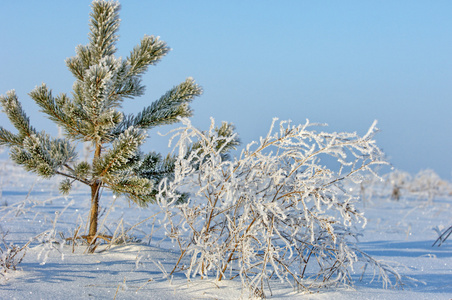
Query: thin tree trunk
x=94, y=211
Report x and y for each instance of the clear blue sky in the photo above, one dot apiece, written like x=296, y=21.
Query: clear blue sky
x=344, y=63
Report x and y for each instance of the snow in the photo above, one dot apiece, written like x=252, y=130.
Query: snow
x=400, y=232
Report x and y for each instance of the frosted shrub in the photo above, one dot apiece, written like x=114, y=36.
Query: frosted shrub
x=276, y=212
x=11, y=255
x=424, y=185
x=398, y=180
x=427, y=184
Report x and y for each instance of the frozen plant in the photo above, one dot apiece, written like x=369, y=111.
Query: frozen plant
x=425, y=185
x=92, y=114
x=11, y=255
x=399, y=181
x=428, y=184
x=276, y=212
x=442, y=236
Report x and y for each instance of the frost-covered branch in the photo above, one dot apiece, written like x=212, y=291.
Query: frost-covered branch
x=276, y=212
x=150, y=50
x=167, y=110
x=13, y=110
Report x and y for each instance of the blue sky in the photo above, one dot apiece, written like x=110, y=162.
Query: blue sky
x=345, y=63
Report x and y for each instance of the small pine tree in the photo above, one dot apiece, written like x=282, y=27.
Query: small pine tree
x=91, y=113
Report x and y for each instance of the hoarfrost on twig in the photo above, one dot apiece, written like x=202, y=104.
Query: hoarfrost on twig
x=276, y=212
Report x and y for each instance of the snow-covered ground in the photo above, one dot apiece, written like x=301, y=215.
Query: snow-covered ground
x=397, y=231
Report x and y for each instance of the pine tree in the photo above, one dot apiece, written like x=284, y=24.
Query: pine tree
x=92, y=113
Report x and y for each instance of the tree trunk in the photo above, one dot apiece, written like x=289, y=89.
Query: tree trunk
x=94, y=211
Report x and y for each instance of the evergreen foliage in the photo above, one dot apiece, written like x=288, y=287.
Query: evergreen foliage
x=92, y=113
